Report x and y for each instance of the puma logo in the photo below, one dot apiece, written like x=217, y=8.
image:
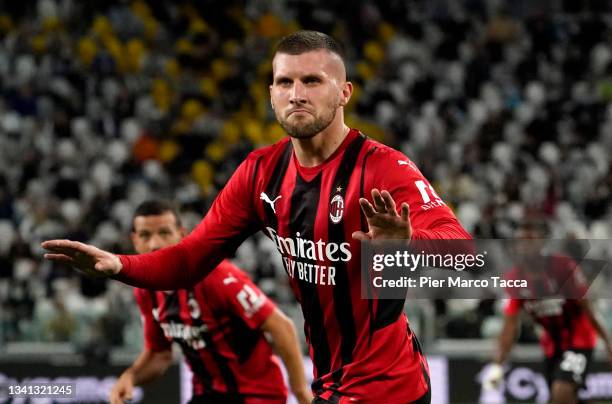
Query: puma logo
x=229, y=279
x=407, y=163
x=266, y=199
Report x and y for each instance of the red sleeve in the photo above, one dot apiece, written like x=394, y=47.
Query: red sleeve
x=229, y=221
x=238, y=295
x=429, y=216
x=513, y=307
x=153, y=334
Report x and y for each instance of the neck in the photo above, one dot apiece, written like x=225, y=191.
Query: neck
x=315, y=150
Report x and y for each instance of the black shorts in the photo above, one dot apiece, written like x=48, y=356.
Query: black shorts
x=570, y=366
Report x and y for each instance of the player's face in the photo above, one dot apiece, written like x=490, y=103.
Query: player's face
x=307, y=90
x=155, y=231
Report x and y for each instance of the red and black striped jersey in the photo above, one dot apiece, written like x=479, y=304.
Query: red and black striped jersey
x=216, y=324
x=566, y=325
x=362, y=349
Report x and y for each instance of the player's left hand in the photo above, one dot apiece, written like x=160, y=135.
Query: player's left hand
x=383, y=220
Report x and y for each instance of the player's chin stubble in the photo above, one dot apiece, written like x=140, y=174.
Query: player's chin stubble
x=308, y=130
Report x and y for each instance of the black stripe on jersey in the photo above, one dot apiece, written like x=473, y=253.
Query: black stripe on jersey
x=364, y=228
x=226, y=371
x=343, y=305
x=242, y=339
x=255, y=172
x=172, y=311
x=364, y=222
x=304, y=204
x=387, y=312
x=192, y=356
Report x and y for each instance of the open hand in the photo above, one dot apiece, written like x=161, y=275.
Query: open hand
x=89, y=259
x=383, y=220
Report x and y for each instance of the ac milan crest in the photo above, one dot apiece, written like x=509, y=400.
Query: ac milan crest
x=336, y=208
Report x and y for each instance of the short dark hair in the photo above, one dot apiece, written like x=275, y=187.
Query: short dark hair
x=306, y=41
x=156, y=207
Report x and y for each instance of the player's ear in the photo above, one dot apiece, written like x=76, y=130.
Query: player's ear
x=183, y=231
x=271, y=100
x=347, y=91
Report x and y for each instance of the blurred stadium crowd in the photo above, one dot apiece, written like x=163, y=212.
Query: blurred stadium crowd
x=506, y=106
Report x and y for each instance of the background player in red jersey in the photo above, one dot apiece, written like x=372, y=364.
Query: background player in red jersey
x=316, y=194
x=570, y=327
x=219, y=325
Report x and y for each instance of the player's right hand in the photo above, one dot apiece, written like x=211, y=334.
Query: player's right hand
x=122, y=390
x=493, y=376
x=86, y=258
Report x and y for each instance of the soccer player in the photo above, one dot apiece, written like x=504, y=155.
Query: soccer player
x=316, y=194
x=219, y=325
x=569, y=325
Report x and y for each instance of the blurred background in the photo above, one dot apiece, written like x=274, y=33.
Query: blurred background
x=506, y=107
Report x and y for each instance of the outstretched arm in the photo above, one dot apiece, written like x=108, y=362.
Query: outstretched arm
x=230, y=219
x=86, y=258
